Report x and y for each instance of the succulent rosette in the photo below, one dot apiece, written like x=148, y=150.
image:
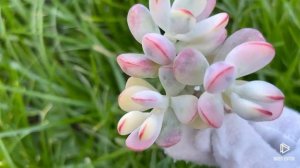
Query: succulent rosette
x=198, y=69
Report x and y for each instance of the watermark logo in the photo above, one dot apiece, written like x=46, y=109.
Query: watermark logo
x=284, y=148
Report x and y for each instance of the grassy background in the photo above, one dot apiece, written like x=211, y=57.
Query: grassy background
x=59, y=80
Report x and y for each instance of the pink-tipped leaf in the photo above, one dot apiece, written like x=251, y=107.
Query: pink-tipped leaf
x=134, y=143
x=259, y=91
x=206, y=27
x=158, y=48
x=149, y=127
x=140, y=22
x=130, y=121
x=237, y=38
x=125, y=101
x=251, y=56
x=139, y=141
x=218, y=77
x=256, y=110
x=211, y=109
x=150, y=99
x=137, y=65
x=189, y=67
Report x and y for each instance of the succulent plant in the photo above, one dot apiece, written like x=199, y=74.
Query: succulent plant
x=197, y=67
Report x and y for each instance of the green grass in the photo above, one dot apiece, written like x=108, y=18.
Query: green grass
x=59, y=80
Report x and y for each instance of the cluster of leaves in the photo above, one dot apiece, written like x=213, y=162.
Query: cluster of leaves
x=198, y=67
x=59, y=80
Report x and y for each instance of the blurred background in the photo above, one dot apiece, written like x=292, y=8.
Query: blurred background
x=59, y=80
